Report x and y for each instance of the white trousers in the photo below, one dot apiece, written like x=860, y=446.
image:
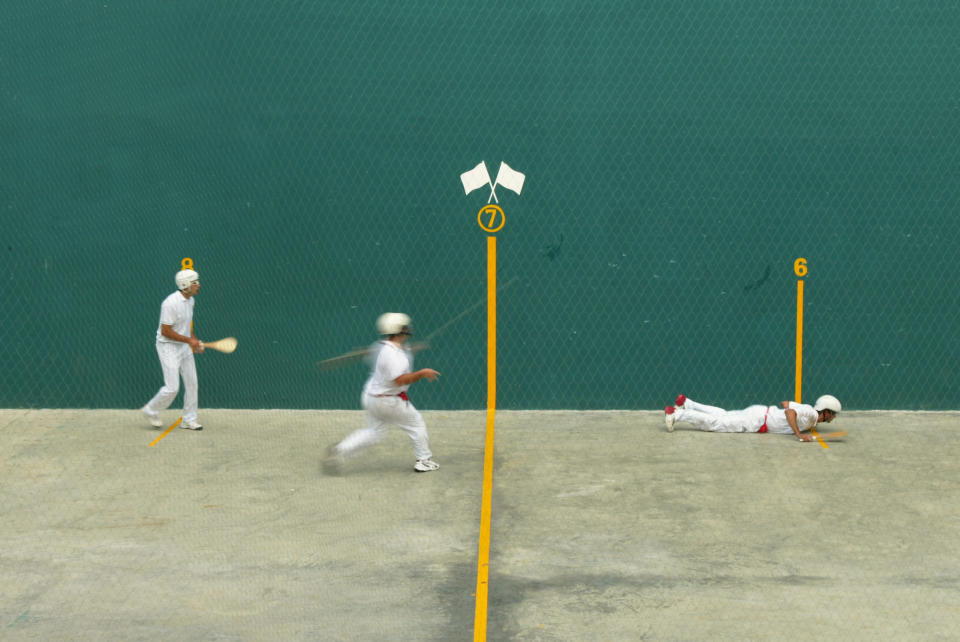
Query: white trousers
x=176, y=361
x=713, y=419
x=380, y=413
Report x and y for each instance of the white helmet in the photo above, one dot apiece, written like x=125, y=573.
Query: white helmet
x=392, y=323
x=828, y=402
x=186, y=278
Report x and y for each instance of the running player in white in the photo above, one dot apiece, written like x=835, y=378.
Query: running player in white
x=789, y=417
x=385, y=399
x=176, y=345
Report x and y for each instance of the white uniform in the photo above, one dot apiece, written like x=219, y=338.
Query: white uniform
x=176, y=358
x=751, y=419
x=385, y=403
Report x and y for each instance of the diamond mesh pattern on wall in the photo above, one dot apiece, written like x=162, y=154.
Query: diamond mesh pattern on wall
x=679, y=158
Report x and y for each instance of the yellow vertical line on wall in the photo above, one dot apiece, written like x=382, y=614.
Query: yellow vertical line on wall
x=799, y=374
x=483, y=557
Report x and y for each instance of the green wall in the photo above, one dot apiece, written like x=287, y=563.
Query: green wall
x=679, y=158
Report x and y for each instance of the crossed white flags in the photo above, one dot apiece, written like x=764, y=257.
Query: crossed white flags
x=506, y=176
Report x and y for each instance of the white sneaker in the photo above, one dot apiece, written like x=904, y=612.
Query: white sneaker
x=333, y=464
x=152, y=417
x=191, y=425
x=425, y=465
x=670, y=417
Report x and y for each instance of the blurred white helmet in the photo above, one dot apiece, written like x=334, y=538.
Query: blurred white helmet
x=828, y=402
x=392, y=323
x=186, y=278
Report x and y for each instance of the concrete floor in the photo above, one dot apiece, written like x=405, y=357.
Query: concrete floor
x=605, y=527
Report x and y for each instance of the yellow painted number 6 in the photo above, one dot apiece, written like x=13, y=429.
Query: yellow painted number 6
x=800, y=267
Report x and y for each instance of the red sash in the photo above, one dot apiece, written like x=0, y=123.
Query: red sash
x=403, y=395
x=763, y=428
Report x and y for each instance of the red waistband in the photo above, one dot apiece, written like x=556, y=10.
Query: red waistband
x=763, y=428
x=402, y=394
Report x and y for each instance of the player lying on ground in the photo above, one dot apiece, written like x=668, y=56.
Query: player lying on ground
x=791, y=416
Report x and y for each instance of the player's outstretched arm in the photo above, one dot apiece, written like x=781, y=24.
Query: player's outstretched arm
x=411, y=377
x=792, y=420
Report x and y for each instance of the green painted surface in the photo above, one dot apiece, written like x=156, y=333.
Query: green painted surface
x=679, y=158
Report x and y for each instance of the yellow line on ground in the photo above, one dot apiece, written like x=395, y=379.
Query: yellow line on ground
x=817, y=435
x=166, y=432
x=483, y=557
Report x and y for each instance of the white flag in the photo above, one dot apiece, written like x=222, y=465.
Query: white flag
x=475, y=178
x=510, y=178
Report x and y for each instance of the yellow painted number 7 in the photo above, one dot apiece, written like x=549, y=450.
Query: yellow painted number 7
x=495, y=215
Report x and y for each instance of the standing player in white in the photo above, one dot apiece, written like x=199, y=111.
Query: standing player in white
x=385, y=399
x=176, y=345
x=790, y=417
